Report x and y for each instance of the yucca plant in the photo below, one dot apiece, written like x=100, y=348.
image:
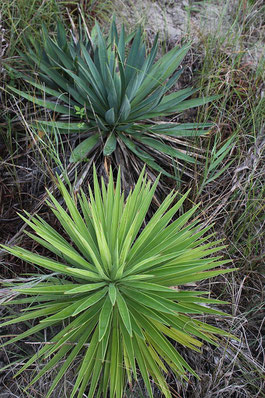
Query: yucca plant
x=108, y=90
x=117, y=288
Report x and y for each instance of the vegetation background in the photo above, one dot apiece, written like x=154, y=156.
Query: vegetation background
x=227, y=57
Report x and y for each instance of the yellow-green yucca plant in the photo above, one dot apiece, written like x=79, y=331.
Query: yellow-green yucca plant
x=111, y=91
x=117, y=293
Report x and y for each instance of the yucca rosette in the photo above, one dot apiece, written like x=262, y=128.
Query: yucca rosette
x=116, y=288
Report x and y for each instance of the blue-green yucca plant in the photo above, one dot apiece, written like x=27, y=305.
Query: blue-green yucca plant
x=113, y=289
x=110, y=89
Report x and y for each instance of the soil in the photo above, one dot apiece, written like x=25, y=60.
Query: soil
x=179, y=19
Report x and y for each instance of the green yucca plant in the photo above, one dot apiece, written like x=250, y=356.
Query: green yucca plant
x=110, y=89
x=113, y=288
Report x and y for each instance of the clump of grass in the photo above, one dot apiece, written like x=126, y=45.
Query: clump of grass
x=234, y=200
x=21, y=17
